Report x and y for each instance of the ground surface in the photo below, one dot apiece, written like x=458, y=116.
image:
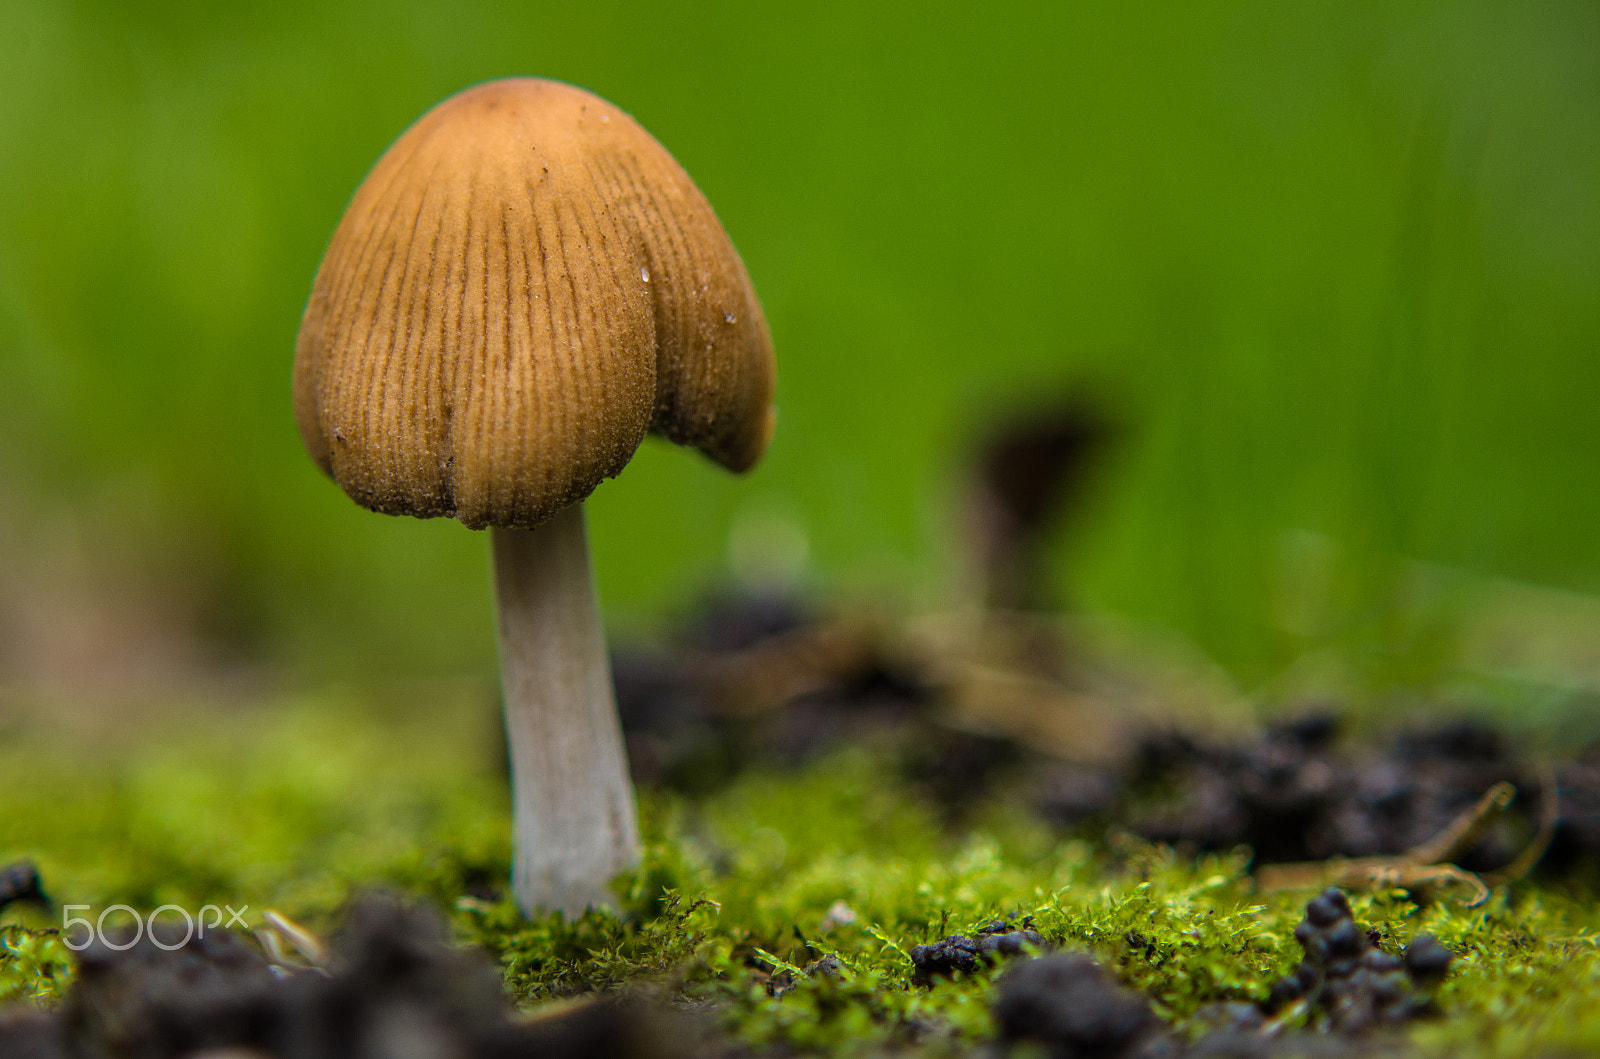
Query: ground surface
x=743, y=887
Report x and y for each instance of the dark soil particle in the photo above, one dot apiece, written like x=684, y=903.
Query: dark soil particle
x=1347, y=985
x=210, y=993
x=780, y=982
x=878, y=702
x=1070, y=1007
x=29, y=1034
x=1071, y=795
x=19, y=882
x=959, y=953
x=1427, y=961
x=729, y=620
x=675, y=736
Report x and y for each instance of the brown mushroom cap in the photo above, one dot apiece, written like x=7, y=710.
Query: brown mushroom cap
x=524, y=284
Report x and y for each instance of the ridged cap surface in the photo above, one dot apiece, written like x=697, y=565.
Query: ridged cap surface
x=525, y=284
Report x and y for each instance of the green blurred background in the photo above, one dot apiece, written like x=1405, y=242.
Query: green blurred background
x=1335, y=265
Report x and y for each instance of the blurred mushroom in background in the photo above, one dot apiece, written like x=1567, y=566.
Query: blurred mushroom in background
x=1030, y=475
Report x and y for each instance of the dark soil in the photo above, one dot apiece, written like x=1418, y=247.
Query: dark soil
x=1347, y=984
x=19, y=883
x=755, y=682
x=1072, y=1008
x=395, y=988
x=1344, y=992
x=704, y=707
x=1295, y=794
x=961, y=954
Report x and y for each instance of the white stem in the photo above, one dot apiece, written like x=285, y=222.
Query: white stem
x=572, y=800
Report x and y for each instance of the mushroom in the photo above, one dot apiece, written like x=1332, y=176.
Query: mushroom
x=525, y=284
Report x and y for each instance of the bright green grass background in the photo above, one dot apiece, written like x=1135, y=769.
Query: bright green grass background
x=1339, y=263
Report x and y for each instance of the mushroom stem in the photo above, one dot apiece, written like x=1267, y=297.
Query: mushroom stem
x=572, y=799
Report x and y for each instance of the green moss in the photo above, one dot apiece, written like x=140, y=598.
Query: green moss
x=739, y=892
x=34, y=965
